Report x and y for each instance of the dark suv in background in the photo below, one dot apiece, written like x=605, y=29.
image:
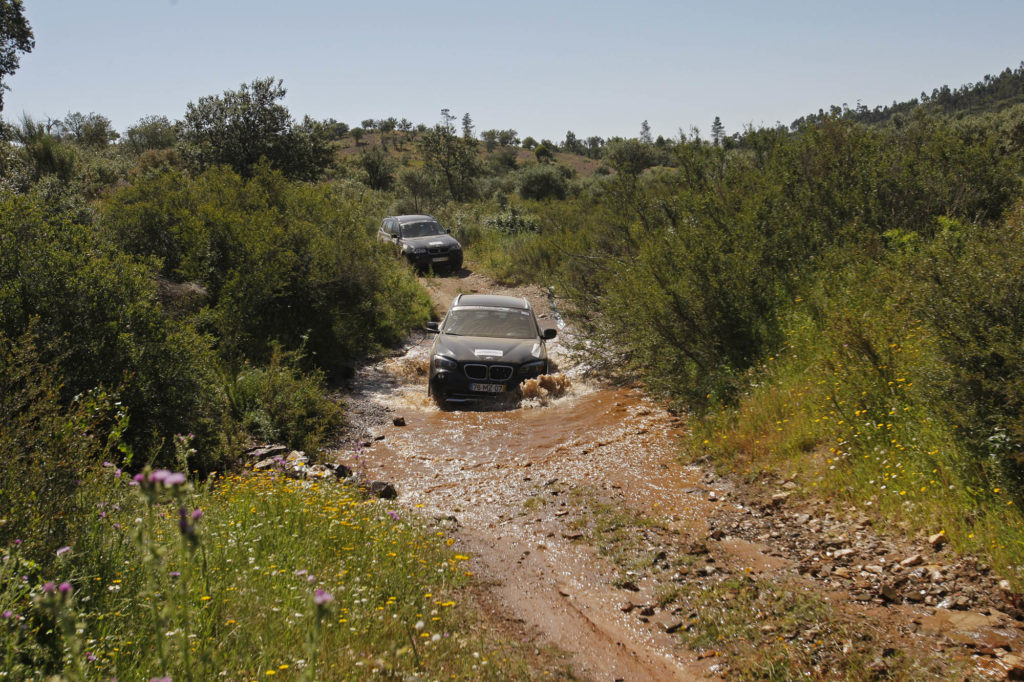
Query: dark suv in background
x=485, y=347
x=423, y=242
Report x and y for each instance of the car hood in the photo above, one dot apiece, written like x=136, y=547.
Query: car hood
x=487, y=349
x=432, y=240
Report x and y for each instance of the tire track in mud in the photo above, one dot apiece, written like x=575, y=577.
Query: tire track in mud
x=517, y=480
x=533, y=491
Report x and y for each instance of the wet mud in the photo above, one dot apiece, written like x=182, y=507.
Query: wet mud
x=510, y=476
x=532, y=488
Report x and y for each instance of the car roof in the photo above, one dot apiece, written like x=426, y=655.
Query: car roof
x=491, y=301
x=414, y=218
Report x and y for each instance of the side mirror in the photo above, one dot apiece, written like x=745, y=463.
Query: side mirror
x=433, y=327
x=549, y=333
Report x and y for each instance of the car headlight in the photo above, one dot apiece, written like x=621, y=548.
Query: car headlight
x=441, y=362
x=535, y=367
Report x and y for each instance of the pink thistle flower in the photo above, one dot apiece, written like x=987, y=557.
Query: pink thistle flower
x=322, y=597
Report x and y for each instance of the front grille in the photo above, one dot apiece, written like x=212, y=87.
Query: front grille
x=501, y=372
x=483, y=372
x=436, y=250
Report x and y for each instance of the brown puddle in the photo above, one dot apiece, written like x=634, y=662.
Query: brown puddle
x=511, y=474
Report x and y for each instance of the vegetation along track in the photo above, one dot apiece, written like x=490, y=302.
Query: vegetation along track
x=587, y=535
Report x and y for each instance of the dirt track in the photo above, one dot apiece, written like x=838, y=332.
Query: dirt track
x=537, y=493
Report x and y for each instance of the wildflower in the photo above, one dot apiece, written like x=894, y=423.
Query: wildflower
x=64, y=588
x=393, y=514
x=7, y=615
x=322, y=597
x=49, y=587
x=63, y=550
x=89, y=656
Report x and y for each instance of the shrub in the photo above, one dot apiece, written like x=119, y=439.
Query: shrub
x=101, y=324
x=281, y=262
x=543, y=181
x=280, y=403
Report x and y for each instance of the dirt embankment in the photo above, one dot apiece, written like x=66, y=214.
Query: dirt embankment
x=590, y=539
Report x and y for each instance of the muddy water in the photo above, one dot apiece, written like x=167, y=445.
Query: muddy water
x=517, y=478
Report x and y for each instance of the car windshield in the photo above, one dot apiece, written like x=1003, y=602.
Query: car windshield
x=499, y=323
x=427, y=228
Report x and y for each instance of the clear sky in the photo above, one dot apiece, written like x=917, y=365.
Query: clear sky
x=541, y=67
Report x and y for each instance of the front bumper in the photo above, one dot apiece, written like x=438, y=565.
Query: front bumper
x=456, y=385
x=451, y=260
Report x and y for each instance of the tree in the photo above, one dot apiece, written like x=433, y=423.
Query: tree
x=89, y=130
x=543, y=153
x=151, y=132
x=529, y=142
x=467, y=127
x=490, y=138
x=379, y=168
x=451, y=160
x=717, y=131
x=242, y=126
x=572, y=143
x=645, y=133
x=630, y=157
x=508, y=138
x=357, y=135
x=15, y=36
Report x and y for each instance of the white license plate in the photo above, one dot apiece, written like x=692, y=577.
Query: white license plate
x=439, y=259
x=487, y=388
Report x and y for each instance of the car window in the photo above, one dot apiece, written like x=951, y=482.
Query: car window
x=421, y=229
x=501, y=323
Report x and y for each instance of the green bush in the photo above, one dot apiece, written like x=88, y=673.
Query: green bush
x=281, y=404
x=543, y=181
x=101, y=324
x=47, y=446
x=281, y=262
x=968, y=287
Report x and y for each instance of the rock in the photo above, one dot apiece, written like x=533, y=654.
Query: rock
x=647, y=610
x=840, y=553
x=630, y=585
x=712, y=496
x=268, y=463
x=296, y=457
x=379, y=438
x=779, y=499
x=890, y=594
x=398, y=421
x=1014, y=666
x=937, y=540
x=945, y=621
x=383, y=490
x=669, y=624
x=266, y=451
x=914, y=560
x=340, y=470
x=318, y=471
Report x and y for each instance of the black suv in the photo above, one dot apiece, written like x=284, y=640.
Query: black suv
x=423, y=242
x=485, y=347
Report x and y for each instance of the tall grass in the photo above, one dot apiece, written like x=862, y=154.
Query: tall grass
x=245, y=577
